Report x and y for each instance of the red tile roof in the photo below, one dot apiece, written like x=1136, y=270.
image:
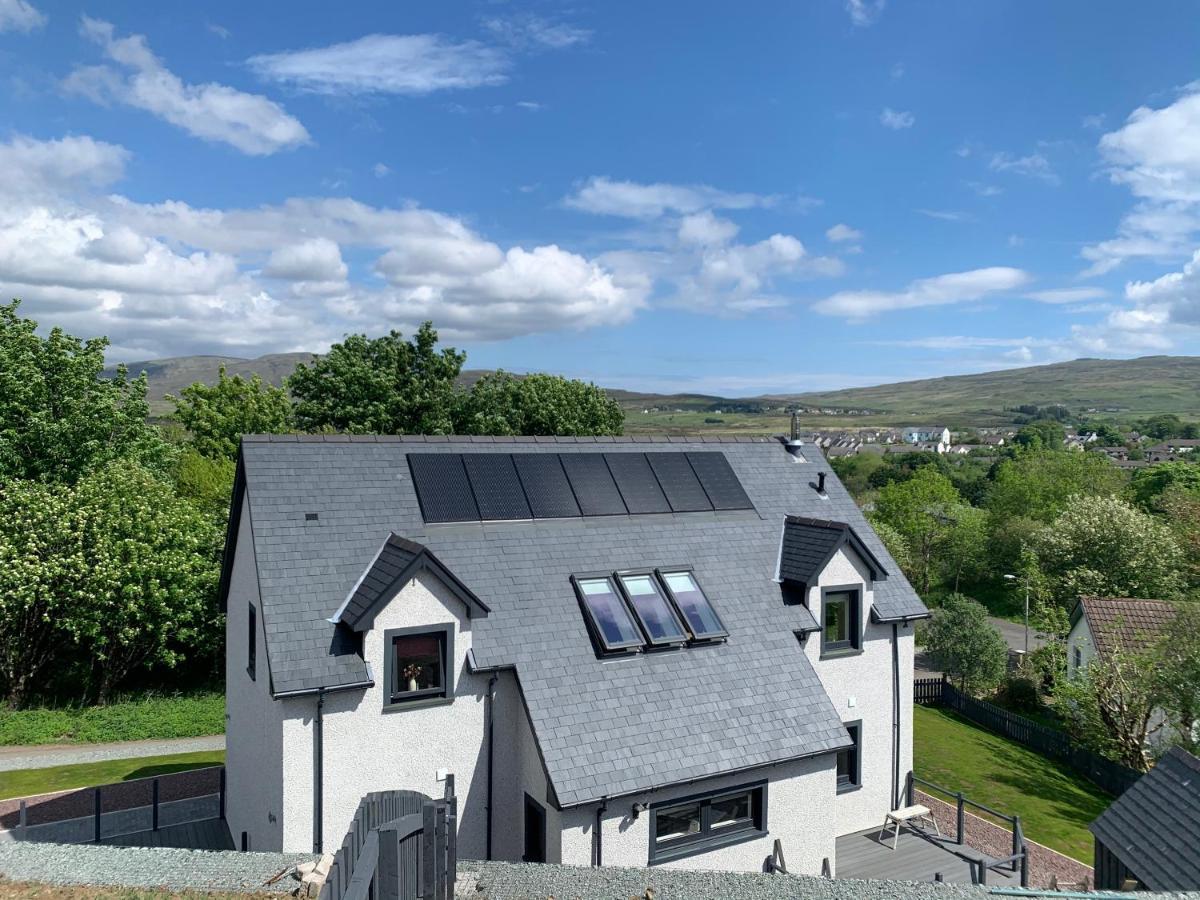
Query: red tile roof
x=1128, y=623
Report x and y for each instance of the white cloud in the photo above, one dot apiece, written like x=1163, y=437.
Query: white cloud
x=527, y=31
x=379, y=170
x=897, y=71
x=985, y=190
x=628, y=199
x=1032, y=166
x=965, y=342
x=1095, y=121
x=946, y=215
x=896, y=120
x=865, y=12
x=19, y=15
x=31, y=168
x=703, y=229
x=1067, y=295
x=941, y=290
x=318, y=259
x=530, y=105
x=414, y=64
x=840, y=233
x=215, y=112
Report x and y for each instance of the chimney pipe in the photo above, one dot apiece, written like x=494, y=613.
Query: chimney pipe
x=820, y=482
x=795, y=436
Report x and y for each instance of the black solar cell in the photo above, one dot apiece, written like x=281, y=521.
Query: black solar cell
x=498, y=490
x=679, y=482
x=635, y=479
x=443, y=489
x=718, y=479
x=546, y=486
x=593, y=484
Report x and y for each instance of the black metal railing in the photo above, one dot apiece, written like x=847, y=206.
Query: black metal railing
x=1112, y=777
x=401, y=845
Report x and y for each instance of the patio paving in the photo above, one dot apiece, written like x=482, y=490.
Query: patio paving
x=919, y=857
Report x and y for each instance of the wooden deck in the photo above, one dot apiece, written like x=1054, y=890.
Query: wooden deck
x=918, y=858
x=208, y=834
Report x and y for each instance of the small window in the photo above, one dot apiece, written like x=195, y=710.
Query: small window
x=652, y=609
x=849, y=760
x=839, y=625
x=608, y=615
x=252, y=641
x=702, y=620
x=1078, y=657
x=701, y=824
x=417, y=664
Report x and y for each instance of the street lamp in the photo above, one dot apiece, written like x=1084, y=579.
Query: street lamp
x=1014, y=578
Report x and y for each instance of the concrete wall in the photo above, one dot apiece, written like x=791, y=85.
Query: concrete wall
x=368, y=748
x=253, y=720
x=798, y=795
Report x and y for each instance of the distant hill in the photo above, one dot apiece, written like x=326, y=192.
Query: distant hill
x=1126, y=387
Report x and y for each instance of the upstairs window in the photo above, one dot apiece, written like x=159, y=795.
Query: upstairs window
x=702, y=620
x=658, y=619
x=840, y=631
x=607, y=614
x=418, y=665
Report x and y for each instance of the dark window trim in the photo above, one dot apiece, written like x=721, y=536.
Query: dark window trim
x=393, y=700
x=849, y=786
x=854, y=646
x=603, y=647
x=706, y=841
x=252, y=642
x=1078, y=656
x=664, y=593
x=661, y=572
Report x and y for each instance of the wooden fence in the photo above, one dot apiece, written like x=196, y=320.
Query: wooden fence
x=401, y=846
x=1112, y=777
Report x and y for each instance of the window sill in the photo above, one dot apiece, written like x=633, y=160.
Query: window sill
x=841, y=653
x=417, y=703
x=707, y=845
x=848, y=788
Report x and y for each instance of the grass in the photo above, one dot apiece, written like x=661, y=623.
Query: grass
x=1054, y=803
x=27, y=890
x=26, y=782
x=195, y=715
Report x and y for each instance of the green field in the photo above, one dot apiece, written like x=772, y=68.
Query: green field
x=1055, y=804
x=27, y=782
x=195, y=715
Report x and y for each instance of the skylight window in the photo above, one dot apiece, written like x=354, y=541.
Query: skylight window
x=658, y=620
x=702, y=620
x=609, y=617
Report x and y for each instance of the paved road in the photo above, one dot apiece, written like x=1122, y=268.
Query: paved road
x=39, y=757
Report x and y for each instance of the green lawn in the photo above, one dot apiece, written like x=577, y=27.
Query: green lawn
x=24, y=782
x=195, y=715
x=1055, y=804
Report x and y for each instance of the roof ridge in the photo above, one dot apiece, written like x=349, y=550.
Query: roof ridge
x=506, y=439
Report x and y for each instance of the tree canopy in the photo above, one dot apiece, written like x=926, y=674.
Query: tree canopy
x=503, y=403
x=962, y=643
x=218, y=415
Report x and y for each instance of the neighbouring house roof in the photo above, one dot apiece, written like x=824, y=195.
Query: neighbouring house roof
x=1152, y=827
x=603, y=729
x=809, y=545
x=1127, y=623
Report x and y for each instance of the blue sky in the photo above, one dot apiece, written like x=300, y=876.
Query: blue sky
x=760, y=197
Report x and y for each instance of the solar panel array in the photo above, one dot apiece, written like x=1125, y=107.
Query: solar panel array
x=474, y=487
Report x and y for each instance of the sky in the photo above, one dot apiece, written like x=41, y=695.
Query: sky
x=736, y=199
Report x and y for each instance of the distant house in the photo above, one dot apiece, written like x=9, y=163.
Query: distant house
x=993, y=440
x=927, y=434
x=1149, y=839
x=626, y=651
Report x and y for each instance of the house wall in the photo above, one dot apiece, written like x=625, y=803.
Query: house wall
x=367, y=748
x=1080, y=636
x=253, y=721
x=860, y=686
x=798, y=794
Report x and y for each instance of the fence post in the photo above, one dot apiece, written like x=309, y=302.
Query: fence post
x=428, y=853
x=1018, y=843
x=909, y=790
x=387, y=867
x=22, y=821
x=451, y=838
x=961, y=820
x=97, y=813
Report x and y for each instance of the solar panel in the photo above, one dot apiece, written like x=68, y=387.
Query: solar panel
x=635, y=479
x=498, y=490
x=679, y=482
x=719, y=481
x=593, y=484
x=443, y=489
x=546, y=485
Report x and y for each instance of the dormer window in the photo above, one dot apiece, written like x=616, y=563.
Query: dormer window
x=841, y=630
x=419, y=666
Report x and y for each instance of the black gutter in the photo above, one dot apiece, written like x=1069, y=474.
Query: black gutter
x=319, y=773
x=491, y=725
x=600, y=811
x=896, y=803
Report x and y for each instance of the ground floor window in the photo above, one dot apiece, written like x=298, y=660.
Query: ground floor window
x=704, y=822
x=849, y=760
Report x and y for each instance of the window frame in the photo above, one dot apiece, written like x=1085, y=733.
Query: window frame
x=661, y=573
x=1077, y=656
x=603, y=647
x=706, y=840
x=425, y=697
x=845, y=787
x=252, y=642
x=854, y=645
x=685, y=634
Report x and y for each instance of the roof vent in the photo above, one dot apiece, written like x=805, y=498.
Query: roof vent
x=793, y=443
x=311, y=517
x=820, y=485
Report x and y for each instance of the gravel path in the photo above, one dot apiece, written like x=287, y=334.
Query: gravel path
x=40, y=757
x=145, y=867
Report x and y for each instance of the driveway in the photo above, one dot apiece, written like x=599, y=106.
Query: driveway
x=43, y=756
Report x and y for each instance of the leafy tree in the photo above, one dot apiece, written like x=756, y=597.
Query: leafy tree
x=1044, y=434
x=1162, y=426
x=922, y=510
x=897, y=546
x=1179, y=684
x=962, y=643
x=1180, y=509
x=964, y=552
x=1037, y=484
x=502, y=403
x=855, y=471
x=383, y=385
x=205, y=482
x=1105, y=546
x=59, y=414
x=218, y=415
x=1108, y=435
x=1148, y=484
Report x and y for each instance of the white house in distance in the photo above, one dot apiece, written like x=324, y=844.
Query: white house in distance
x=628, y=652
x=928, y=434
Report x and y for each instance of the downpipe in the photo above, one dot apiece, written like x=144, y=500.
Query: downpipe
x=600, y=811
x=896, y=801
x=491, y=723
x=319, y=774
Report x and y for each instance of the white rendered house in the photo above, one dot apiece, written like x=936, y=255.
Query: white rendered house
x=669, y=652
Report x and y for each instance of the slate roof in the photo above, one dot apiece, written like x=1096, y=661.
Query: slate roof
x=1152, y=827
x=809, y=544
x=604, y=728
x=1124, y=622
